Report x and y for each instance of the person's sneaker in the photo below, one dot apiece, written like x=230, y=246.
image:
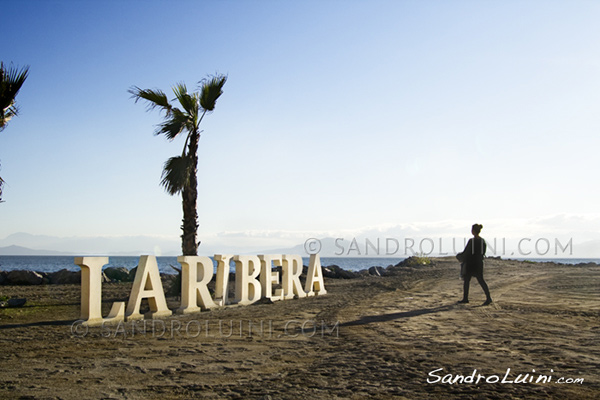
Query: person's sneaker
x=487, y=302
x=463, y=301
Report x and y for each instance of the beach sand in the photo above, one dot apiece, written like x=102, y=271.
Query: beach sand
x=373, y=337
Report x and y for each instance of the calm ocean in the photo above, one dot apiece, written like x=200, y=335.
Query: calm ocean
x=55, y=263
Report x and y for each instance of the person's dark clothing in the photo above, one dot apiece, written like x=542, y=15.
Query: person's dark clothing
x=474, y=253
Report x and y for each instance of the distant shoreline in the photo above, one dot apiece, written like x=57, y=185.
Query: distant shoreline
x=53, y=263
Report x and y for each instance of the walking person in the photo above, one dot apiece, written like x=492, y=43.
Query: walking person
x=473, y=255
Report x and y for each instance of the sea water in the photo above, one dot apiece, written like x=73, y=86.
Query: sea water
x=167, y=265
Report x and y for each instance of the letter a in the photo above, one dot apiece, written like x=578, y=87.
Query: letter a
x=314, y=277
x=147, y=284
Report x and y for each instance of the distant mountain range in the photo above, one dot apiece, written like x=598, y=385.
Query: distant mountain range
x=27, y=244
x=22, y=244
x=24, y=251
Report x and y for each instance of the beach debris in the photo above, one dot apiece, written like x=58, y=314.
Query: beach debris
x=335, y=272
x=23, y=277
x=118, y=274
x=377, y=271
x=12, y=303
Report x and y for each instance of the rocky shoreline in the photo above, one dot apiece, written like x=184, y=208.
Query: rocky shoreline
x=122, y=274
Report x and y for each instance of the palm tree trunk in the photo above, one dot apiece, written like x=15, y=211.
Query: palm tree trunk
x=189, y=245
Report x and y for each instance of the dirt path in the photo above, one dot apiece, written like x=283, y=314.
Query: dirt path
x=374, y=337
x=543, y=319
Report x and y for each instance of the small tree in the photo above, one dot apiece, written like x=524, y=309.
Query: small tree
x=11, y=80
x=180, y=172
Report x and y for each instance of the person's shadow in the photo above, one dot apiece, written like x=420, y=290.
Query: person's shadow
x=399, y=315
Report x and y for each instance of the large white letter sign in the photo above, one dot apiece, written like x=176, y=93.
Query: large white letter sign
x=314, y=277
x=222, y=284
x=91, y=292
x=196, y=274
x=192, y=289
x=268, y=277
x=247, y=285
x=292, y=269
x=147, y=284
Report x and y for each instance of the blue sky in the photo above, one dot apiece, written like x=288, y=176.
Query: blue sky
x=339, y=118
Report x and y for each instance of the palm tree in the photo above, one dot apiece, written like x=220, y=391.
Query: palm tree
x=179, y=174
x=11, y=80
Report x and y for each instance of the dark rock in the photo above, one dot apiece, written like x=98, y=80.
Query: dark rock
x=22, y=277
x=393, y=270
x=3, y=277
x=13, y=303
x=329, y=272
x=16, y=302
x=64, y=277
x=264, y=300
x=172, y=282
x=414, y=261
x=117, y=274
x=400, y=264
x=335, y=272
x=131, y=276
x=377, y=271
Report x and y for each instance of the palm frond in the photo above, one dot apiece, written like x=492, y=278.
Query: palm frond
x=211, y=89
x=177, y=122
x=11, y=81
x=176, y=174
x=154, y=97
x=186, y=100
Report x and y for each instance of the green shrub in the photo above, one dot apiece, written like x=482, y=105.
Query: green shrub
x=417, y=261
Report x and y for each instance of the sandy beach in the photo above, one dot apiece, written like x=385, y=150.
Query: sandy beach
x=401, y=337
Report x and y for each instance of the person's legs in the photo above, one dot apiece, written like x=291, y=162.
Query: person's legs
x=485, y=288
x=467, y=282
